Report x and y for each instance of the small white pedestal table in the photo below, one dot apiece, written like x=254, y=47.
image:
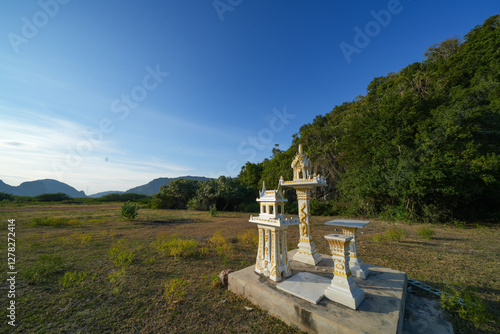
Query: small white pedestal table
x=350, y=227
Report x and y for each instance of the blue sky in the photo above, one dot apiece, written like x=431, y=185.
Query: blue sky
x=108, y=95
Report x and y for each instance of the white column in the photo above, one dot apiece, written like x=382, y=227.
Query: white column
x=343, y=289
x=307, y=252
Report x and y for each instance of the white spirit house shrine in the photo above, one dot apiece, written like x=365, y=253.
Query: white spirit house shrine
x=272, y=254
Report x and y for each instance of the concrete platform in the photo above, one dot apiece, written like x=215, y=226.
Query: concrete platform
x=382, y=311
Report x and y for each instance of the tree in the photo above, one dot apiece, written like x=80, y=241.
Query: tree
x=175, y=195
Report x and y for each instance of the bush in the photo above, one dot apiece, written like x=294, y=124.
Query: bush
x=378, y=238
x=120, y=253
x=213, y=210
x=129, y=211
x=426, y=232
x=395, y=234
x=195, y=204
x=4, y=197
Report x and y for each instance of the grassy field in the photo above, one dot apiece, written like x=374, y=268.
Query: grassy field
x=83, y=269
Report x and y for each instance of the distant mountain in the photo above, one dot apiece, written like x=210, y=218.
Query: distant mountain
x=48, y=186
x=154, y=186
x=104, y=193
x=38, y=187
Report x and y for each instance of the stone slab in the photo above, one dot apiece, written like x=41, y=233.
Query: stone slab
x=306, y=286
x=348, y=223
x=382, y=311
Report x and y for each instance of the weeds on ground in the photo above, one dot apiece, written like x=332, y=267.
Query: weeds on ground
x=457, y=298
x=55, y=222
x=74, y=279
x=220, y=244
x=46, y=267
x=393, y=234
x=173, y=246
x=459, y=223
x=117, y=277
x=249, y=237
x=84, y=238
x=175, y=289
x=215, y=279
x=121, y=253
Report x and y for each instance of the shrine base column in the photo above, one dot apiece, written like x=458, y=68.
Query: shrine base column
x=307, y=252
x=343, y=289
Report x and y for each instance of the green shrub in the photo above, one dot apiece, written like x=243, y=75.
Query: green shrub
x=175, y=290
x=425, y=232
x=121, y=253
x=195, y=204
x=459, y=223
x=46, y=267
x=463, y=301
x=213, y=211
x=215, y=279
x=395, y=234
x=129, y=211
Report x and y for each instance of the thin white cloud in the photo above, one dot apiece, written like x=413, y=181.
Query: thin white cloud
x=38, y=146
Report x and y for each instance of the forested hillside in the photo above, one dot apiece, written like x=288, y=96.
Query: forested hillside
x=423, y=143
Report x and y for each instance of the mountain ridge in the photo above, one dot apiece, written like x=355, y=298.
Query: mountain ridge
x=47, y=186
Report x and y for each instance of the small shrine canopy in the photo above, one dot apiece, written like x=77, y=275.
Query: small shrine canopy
x=272, y=202
x=300, y=165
